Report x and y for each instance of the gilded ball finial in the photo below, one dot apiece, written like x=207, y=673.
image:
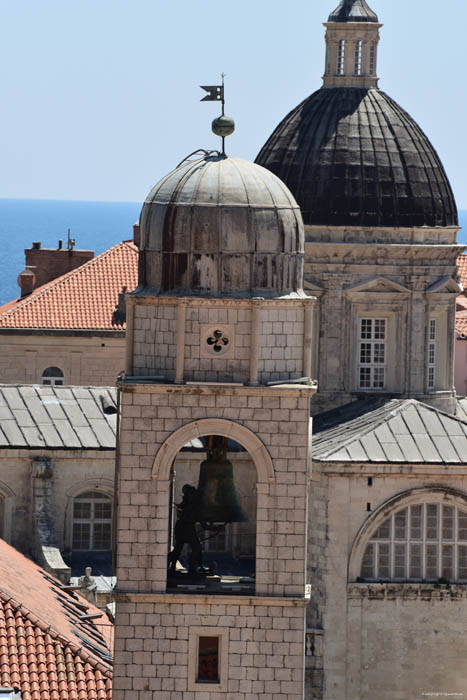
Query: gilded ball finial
x=223, y=126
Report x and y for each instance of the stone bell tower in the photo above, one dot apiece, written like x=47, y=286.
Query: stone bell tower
x=218, y=346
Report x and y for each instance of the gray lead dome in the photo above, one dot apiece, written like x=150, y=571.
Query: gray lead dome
x=221, y=226
x=353, y=157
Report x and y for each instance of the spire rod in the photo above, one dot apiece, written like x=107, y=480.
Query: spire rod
x=222, y=126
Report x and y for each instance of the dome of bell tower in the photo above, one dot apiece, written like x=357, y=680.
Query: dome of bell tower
x=221, y=226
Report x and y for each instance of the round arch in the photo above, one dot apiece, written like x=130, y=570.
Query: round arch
x=213, y=426
x=106, y=486
x=424, y=494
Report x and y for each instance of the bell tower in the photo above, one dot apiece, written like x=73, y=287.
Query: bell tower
x=218, y=370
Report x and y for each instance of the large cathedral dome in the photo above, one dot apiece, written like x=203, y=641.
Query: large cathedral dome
x=221, y=226
x=350, y=155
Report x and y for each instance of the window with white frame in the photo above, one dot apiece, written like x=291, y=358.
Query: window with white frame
x=92, y=522
x=372, y=57
x=431, y=353
x=372, y=353
x=423, y=542
x=358, y=56
x=341, y=57
x=53, y=375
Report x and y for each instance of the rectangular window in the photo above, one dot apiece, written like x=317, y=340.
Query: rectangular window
x=208, y=660
x=341, y=58
x=372, y=353
x=358, y=57
x=431, y=353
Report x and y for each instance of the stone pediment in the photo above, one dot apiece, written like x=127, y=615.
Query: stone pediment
x=377, y=285
x=445, y=285
x=312, y=288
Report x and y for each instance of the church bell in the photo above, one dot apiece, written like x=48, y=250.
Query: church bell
x=217, y=497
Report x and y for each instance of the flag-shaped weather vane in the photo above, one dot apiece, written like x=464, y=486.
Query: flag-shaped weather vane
x=221, y=126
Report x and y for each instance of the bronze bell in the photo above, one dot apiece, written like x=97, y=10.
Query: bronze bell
x=217, y=497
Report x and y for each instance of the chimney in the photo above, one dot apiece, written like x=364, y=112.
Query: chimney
x=26, y=280
x=136, y=234
x=50, y=263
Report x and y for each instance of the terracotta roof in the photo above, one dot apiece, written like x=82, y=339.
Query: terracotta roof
x=462, y=269
x=83, y=299
x=46, y=650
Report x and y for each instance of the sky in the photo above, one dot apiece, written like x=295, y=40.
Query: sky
x=101, y=98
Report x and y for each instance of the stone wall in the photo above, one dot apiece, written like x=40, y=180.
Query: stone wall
x=262, y=642
x=72, y=472
x=262, y=637
x=390, y=641
x=85, y=360
x=271, y=331
x=460, y=376
x=278, y=417
x=407, y=273
x=408, y=641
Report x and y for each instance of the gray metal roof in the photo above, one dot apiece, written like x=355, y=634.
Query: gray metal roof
x=353, y=11
x=395, y=430
x=57, y=417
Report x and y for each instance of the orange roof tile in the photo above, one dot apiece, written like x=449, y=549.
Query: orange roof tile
x=83, y=299
x=45, y=649
x=462, y=269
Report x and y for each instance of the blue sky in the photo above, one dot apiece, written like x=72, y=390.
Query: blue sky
x=100, y=98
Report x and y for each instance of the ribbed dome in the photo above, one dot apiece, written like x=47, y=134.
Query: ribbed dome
x=353, y=157
x=221, y=226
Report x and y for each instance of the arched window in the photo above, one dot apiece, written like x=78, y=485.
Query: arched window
x=92, y=522
x=422, y=542
x=53, y=375
x=372, y=57
x=341, y=57
x=358, y=56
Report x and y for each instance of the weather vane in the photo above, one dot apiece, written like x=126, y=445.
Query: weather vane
x=221, y=126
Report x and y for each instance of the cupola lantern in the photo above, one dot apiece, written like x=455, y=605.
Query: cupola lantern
x=352, y=36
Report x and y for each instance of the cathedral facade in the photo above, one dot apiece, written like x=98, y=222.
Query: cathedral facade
x=320, y=280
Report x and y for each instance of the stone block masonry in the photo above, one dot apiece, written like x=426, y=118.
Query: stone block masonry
x=261, y=651
x=278, y=417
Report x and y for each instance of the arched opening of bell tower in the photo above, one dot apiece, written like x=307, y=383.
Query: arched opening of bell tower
x=212, y=514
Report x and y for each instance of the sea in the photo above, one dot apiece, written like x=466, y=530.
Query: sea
x=93, y=225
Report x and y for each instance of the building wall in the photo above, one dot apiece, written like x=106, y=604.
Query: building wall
x=159, y=339
x=85, y=360
x=262, y=647
x=460, y=371
x=360, y=271
x=73, y=472
x=389, y=641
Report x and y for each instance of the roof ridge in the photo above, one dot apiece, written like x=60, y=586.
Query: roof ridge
x=48, y=629
x=440, y=411
x=62, y=279
x=368, y=428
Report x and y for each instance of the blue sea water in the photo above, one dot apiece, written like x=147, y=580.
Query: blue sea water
x=94, y=226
